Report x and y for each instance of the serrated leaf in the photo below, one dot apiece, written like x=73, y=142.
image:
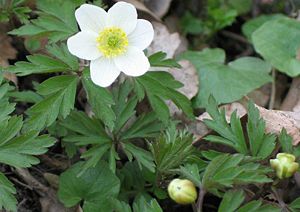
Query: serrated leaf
x=231, y=134
x=120, y=206
x=229, y=170
x=20, y=151
x=7, y=192
x=261, y=144
x=286, y=141
x=256, y=205
x=100, y=99
x=56, y=20
x=10, y=128
x=278, y=42
x=143, y=157
x=295, y=205
x=191, y=172
x=60, y=61
x=25, y=96
x=170, y=152
x=235, y=80
x=141, y=204
x=87, y=131
x=163, y=86
x=231, y=201
x=59, y=101
x=145, y=126
x=158, y=59
x=94, y=187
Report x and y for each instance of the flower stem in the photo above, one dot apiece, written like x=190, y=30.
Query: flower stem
x=199, y=204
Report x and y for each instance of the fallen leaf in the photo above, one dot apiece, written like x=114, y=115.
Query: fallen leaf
x=158, y=7
x=8, y=52
x=164, y=40
x=276, y=120
x=141, y=7
x=188, y=76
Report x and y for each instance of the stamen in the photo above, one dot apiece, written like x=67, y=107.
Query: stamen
x=112, y=42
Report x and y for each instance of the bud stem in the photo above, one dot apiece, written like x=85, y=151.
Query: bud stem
x=201, y=195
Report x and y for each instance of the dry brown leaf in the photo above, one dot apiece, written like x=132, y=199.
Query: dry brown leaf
x=188, y=76
x=164, y=40
x=277, y=119
x=8, y=52
x=158, y=7
x=141, y=7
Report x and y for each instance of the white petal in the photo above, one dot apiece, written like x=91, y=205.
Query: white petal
x=84, y=45
x=91, y=18
x=103, y=72
x=133, y=62
x=143, y=34
x=123, y=15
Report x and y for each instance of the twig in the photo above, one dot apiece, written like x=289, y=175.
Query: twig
x=199, y=204
x=292, y=97
x=235, y=36
x=32, y=182
x=273, y=90
x=278, y=197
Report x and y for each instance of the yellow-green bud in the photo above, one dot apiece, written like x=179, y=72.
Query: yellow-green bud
x=284, y=165
x=182, y=191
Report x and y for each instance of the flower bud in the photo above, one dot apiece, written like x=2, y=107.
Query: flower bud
x=284, y=165
x=182, y=191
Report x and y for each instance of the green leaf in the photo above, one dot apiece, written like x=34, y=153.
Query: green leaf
x=20, y=151
x=253, y=24
x=257, y=205
x=7, y=192
x=191, y=172
x=295, y=205
x=231, y=201
x=286, y=141
x=120, y=206
x=191, y=24
x=252, y=206
x=228, y=170
x=94, y=187
x=161, y=85
x=141, y=204
x=84, y=131
x=235, y=80
x=56, y=21
x=5, y=106
x=261, y=144
x=145, y=126
x=10, y=128
x=100, y=99
x=132, y=177
x=143, y=157
x=278, y=42
x=232, y=134
x=60, y=61
x=158, y=59
x=171, y=151
x=25, y=96
x=124, y=107
x=59, y=100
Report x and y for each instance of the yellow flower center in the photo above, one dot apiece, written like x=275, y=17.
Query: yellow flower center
x=112, y=42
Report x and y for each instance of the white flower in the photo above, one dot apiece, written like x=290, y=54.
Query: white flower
x=114, y=41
